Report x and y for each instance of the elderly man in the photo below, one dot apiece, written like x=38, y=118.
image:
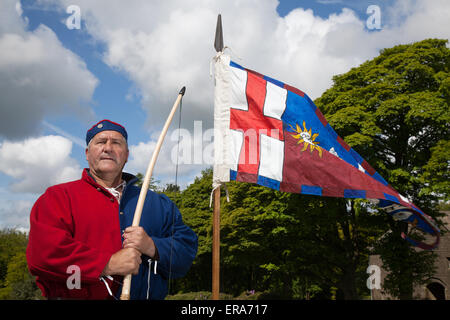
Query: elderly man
x=80, y=243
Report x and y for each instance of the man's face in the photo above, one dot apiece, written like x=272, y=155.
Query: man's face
x=107, y=153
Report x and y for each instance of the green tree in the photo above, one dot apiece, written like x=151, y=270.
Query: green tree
x=11, y=243
x=436, y=174
x=15, y=279
x=171, y=187
x=193, y=203
x=153, y=185
x=394, y=111
x=20, y=285
x=400, y=259
x=288, y=245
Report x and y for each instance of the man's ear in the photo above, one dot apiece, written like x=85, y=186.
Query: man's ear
x=86, y=152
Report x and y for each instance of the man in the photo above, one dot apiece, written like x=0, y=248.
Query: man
x=81, y=229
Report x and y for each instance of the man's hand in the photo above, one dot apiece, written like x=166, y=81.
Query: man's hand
x=137, y=238
x=123, y=262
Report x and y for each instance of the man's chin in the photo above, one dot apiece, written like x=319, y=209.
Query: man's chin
x=109, y=169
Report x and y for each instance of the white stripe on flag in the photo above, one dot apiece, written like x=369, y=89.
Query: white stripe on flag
x=238, y=98
x=236, y=141
x=275, y=102
x=271, y=158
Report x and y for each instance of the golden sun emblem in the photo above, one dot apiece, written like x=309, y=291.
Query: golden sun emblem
x=305, y=137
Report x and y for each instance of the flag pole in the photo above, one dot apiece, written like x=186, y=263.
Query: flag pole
x=218, y=45
x=216, y=246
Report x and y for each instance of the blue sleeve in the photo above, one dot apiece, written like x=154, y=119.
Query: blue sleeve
x=179, y=248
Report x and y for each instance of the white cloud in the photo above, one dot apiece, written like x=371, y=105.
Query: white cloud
x=164, y=45
x=417, y=20
x=10, y=20
x=19, y=8
x=38, y=76
x=139, y=157
x=165, y=168
x=15, y=211
x=37, y=163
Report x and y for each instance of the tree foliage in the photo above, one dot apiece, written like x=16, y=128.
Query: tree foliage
x=15, y=280
x=394, y=111
x=287, y=245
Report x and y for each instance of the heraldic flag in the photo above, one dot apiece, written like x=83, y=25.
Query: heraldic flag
x=272, y=134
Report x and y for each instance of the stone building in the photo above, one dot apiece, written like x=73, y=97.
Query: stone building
x=438, y=287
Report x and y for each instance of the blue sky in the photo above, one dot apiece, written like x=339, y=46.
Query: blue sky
x=129, y=59
x=109, y=100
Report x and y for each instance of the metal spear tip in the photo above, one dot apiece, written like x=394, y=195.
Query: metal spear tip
x=218, y=42
x=182, y=91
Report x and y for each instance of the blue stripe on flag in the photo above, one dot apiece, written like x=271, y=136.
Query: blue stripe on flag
x=233, y=174
x=274, y=81
x=356, y=156
x=391, y=198
x=311, y=103
x=234, y=64
x=351, y=193
x=331, y=131
x=417, y=209
x=267, y=182
x=413, y=242
x=379, y=178
x=384, y=203
x=297, y=110
x=313, y=190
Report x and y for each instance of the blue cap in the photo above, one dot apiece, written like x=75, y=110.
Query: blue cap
x=103, y=126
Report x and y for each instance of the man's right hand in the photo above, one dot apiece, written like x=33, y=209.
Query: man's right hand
x=123, y=262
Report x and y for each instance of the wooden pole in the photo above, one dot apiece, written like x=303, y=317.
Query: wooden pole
x=216, y=246
x=145, y=184
x=218, y=45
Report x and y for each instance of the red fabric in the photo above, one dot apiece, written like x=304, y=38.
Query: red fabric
x=308, y=168
x=74, y=223
x=253, y=123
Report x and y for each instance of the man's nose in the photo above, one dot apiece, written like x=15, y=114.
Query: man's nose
x=108, y=146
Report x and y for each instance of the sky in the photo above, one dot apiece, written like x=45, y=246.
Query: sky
x=67, y=64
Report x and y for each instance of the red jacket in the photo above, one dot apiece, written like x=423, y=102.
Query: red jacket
x=74, y=223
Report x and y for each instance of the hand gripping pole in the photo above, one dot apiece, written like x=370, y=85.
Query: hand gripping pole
x=137, y=214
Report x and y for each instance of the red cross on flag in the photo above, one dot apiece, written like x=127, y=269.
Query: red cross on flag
x=272, y=134
x=257, y=124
